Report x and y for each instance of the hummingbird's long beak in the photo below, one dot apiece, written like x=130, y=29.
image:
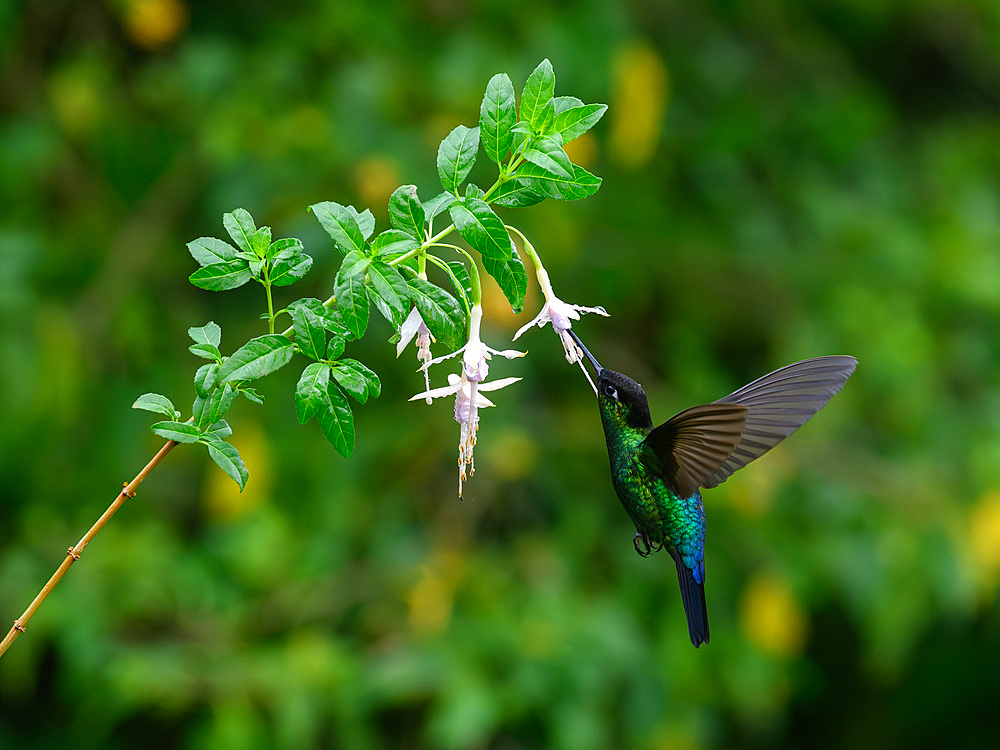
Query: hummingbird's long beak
x=594, y=363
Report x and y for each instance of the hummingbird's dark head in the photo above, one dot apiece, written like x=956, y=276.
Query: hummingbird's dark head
x=621, y=399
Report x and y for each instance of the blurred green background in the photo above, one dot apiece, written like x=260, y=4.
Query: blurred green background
x=782, y=180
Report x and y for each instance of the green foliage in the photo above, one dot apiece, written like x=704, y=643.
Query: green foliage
x=456, y=155
x=532, y=165
x=781, y=181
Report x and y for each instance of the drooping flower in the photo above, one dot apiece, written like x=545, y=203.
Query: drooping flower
x=561, y=314
x=467, y=387
x=414, y=326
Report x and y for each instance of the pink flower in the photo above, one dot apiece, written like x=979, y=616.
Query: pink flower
x=414, y=326
x=468, y=388
x=561, y=315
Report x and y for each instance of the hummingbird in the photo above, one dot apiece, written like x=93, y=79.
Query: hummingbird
x=658, y=473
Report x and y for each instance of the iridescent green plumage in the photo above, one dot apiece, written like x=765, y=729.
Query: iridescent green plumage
x=657, y=472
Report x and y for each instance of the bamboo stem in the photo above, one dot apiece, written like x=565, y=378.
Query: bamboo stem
x=73, y=553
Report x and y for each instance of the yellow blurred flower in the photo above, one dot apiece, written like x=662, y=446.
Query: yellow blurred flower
x=582, y=150
x=752, y=492
x=431, y=598
x=513, y=454
x=152, y=24
x=771, y=618
x=984, y=540
x=641, y=89
x=75, y=93
x=222, y=495
x=376, y=177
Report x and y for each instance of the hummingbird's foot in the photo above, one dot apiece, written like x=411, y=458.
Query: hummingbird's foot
x=640, y=537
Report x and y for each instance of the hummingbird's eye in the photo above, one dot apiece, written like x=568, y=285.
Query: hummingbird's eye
x=610, y=391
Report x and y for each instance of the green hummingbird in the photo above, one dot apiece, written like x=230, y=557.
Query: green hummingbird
x=658, y=472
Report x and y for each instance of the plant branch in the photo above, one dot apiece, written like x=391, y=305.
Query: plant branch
x=73, y=553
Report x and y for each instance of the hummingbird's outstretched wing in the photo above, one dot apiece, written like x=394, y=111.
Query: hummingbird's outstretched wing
x=780, y=403
x=690, y=447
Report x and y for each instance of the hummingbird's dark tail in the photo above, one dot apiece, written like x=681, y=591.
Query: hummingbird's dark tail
x=693, y=597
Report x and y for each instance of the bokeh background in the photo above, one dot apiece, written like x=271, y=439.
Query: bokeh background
x=782, y=180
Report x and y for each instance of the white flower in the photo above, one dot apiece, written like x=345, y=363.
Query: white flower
x=468, y=388
x=475, y=354
x=469, y=399
x=561, y=314
x=414, y=326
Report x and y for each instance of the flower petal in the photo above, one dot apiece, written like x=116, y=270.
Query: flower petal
x=539, y=320
x=508, y=353
x=598, y=310
x=442, y=358
x=408, y=330
x=495, y=385
x=448, y=390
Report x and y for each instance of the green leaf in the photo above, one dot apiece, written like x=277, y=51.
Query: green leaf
x=209, y=251
x=522, y=131
x=562, y=103
x=511, y=277
x=260, y=242
x=536, y=98
x=251, y=395
x=286, y=247
x=472, y=190
x=437, y=204
x=310, y=333
x=517, y=193
x=461, y=280
x=241, y=228
x=157, y=404
x=582, y=185
x=181, y=432
x=549, y=155
x=227, y=458
x=387, y=312
x=352, y=304
x=289, y=270
x=366, y=221
x=206, y=378
x=221, y=276
x=574, y=122
x=391, y=287
x=441, y=312
x=351, y=381
x=405, y=212
x=220, y=429
x=337, y=421
x=497, y=115
x=222, y=400
x=482, y=228
x=310, y=393
x=456, y=155
x=393, y=242
x=329, y=319
x=210, y=333
x=341, y=224
x=200, y=410
x=335, y=346
x=206, y=351
x=256, y=358
x=357, y=379
x=354, y=264
x=255, y=265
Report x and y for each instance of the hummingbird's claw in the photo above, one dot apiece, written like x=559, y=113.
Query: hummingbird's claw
x=639, y=536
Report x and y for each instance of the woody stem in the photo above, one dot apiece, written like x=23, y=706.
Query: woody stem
x=73, y=553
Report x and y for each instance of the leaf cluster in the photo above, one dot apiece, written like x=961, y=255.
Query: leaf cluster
x=385, y=270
